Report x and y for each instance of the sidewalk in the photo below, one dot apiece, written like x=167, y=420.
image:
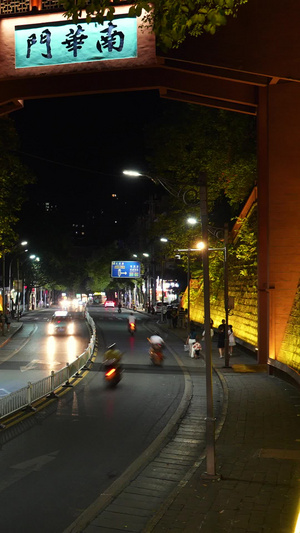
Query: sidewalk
x=257, y=459
x=14, y=327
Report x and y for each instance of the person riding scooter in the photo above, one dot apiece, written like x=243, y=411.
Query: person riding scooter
x=112, y=354
x=119, y=307
x=157, y=346
x=131, y=323
x=112, y=365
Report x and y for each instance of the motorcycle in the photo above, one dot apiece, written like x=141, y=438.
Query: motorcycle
x=119, y=309
x=113, y=372
x=132, y=328
x=112, y=366
x=156, y=354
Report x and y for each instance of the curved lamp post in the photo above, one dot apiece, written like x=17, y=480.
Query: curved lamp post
x=223, y=249
x=210, y=420
x=23, y=243
x=33, y=258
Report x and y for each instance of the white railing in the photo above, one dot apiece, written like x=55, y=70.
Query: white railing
x=25, y=397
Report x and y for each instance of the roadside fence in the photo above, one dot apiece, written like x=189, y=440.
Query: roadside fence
x=25, y=397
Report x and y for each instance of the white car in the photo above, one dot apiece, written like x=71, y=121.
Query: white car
x=109, y=303
x=61, y=324
x=158, y=307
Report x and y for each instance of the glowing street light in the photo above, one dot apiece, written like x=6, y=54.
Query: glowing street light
x=16, y=250
x=210, y=420
x=192, y=221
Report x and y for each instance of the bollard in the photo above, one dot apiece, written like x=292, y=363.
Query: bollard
x=29, y=406
x=52, y=393
x=68, y=384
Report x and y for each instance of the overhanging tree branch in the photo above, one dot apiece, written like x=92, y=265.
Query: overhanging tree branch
x=170, y=20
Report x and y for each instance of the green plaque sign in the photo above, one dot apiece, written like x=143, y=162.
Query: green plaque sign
x=58, y=43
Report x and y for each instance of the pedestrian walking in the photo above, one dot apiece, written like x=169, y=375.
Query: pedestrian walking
x=192, y=339
x=181, y=318
x=174, y=313
x=196, y=350
x=169, y=316
x=7, y=319
x=231, y=339
x=221, y=339
x=211, y=330
x=186, y=318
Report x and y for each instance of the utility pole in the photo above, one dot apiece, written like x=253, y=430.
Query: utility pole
x=189, y=291
x=210, y=420
x=3, y=292
x=226, y=299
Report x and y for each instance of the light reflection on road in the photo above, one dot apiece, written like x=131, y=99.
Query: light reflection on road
x=56, y=349
x=71, y=348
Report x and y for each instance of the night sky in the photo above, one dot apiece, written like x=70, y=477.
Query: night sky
x=77, y=148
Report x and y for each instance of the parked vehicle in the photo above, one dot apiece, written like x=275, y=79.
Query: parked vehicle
x=158, y=306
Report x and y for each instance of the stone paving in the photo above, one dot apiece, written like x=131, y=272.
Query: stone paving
x=257, y=462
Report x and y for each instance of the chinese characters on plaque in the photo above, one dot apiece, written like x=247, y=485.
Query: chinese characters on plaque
x=58, y=43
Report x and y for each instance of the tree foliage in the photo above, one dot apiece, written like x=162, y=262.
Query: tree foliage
x=13, y=179
x=170, y=20
x=190, y=140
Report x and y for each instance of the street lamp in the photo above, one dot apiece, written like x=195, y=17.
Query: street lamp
x=162, y=239
x=210, y=420
x=201, y=245
x=188, y=250
x=33, y=258
x=165, y=183
x=3, y=292
x=147, y=284
x=15, y=248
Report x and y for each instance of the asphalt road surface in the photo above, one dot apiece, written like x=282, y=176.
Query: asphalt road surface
x=32, y=353
x=57, y=462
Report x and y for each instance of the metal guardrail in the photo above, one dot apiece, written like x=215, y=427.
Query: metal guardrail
x=25, y=397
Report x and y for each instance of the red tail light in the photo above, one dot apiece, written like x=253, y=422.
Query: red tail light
x=110, y=372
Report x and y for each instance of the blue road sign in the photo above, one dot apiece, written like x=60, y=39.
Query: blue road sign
x=125, y=269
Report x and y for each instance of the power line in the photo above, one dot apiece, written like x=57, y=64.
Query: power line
x=74, y=167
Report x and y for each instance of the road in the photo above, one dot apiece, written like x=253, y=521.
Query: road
x=32, y=354
x=57, y=462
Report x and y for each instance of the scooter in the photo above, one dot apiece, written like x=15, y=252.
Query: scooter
x=113, y=372
x=119, y=309
x=156, y=354
x=132, y=328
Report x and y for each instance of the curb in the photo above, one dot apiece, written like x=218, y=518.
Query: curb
x=170, y=499
x=11, y=335
x=90, y=514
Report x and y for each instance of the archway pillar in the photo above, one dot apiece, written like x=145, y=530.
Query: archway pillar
x=278, y=213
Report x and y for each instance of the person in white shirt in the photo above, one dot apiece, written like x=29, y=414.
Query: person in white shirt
x=156, y=339
x=131, y=319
